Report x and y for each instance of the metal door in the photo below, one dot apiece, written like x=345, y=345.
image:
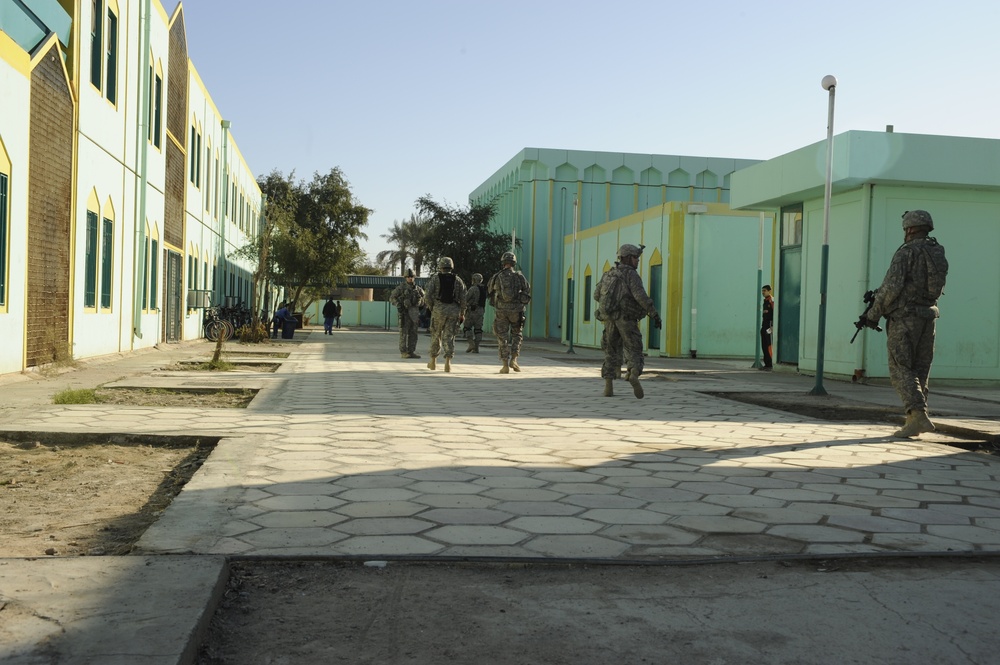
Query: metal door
x=173, y=305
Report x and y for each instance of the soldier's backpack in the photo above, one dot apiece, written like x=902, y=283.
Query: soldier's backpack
x=509, y=288
x=612, y=290
x=937, y=268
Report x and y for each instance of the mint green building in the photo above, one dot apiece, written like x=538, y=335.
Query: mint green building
x=619, y=197
x=876, y=178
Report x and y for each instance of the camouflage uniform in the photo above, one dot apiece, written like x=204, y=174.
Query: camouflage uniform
x=406, y=298
x=622, y=339
x=475, y=310
x=508, y=321
x=446, y=310
x=907, y=299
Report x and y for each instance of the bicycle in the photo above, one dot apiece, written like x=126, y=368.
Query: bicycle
x=216, y=327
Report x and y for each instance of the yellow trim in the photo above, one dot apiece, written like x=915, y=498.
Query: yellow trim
x=607, y=267
x=675, y=281
x=12, y=53
x=107, y=214
x=94, y=206
x=656, y=259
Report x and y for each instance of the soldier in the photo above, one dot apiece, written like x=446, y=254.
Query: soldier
x=445, y=298
x=908, y=301
x=406, y=297
x=509, y=292
x=623, y=301
x=475, y=309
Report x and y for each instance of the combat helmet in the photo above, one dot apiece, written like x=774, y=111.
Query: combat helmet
x=629, y=249
x=912, y=218
x=445, y=263
x=477, y=278
x=409, y=273
x=508, y=257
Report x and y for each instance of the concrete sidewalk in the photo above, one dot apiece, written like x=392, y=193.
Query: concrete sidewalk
x=350, y=451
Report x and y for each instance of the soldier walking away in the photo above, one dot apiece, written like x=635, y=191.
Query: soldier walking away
x=908, y=301
x=766, y=323
x=622, y=302
x=475, y=310
x=509, y=292
x=445, y=298
x=406, y=297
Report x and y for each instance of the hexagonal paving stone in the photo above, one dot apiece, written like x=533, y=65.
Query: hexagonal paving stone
x=603, y=501
x=815, y=533
x=553, y=525
x=376, y=546
x=299, y=502
x=465, y=516
x=380, y=481
x=381, y=509
x=581, y=547
x=651, y=534
x=382, y=494
x=425, y=487
x=538, y=508
x=295, y=537
x=475, y=535
x=621, y=516
x=455, y=500
x=297, y=519
x=717, y=524
x=384, y=526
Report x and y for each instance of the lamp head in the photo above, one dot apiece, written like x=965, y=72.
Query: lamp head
x=829, y=81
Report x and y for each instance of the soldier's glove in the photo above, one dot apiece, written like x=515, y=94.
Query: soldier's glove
x=657, y=321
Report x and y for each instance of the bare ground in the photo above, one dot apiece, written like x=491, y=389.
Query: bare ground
x=93, y=499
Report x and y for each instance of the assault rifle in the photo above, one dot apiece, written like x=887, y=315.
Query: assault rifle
x=863, y=321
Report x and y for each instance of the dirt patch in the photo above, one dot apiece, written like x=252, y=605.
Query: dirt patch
x=826, y=407
x=195, y=366
x=217, y=399
x=87, y=499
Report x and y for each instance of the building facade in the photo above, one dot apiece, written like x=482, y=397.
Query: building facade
x=121, y=187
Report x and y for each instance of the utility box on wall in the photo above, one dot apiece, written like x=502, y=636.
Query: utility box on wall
x=199, y=299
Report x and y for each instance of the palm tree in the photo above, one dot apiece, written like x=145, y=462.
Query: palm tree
x=409, y=237
x=398, y=235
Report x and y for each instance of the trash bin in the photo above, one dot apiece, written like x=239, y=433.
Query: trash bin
x=288, y=329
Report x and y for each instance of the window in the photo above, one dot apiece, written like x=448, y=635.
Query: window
x=96, y=38
x=791, y=225
x=655, y=291
x=194, y=158
x=204, y=276
x=90, y=262
x=107, y=260
x=154, y=248
x=157, y=109
x=4, y=183
x=111, y=75
x=588, y=290
x=145, y=275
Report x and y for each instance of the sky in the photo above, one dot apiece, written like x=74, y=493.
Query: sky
x=415, y=97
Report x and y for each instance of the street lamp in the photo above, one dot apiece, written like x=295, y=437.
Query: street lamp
x=571, y=313
x=829, y=83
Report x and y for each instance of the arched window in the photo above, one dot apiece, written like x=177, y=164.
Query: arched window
x=91, y=251
x=107, y=253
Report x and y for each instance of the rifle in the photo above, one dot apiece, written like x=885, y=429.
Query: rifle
x=863, y=321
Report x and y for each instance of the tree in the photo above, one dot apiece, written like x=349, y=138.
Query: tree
x=463, y=234
x=408, y=238
x=317, y=242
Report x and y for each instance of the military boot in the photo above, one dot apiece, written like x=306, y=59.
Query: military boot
x=475, y=346
x=472, y=346
x=636, y=386
x=506, y=367
x=916, y=422
x=447, y=364
x=433, y=363
x=513, y=363
x=609, y=387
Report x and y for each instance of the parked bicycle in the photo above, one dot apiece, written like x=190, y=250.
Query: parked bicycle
x=215, y=326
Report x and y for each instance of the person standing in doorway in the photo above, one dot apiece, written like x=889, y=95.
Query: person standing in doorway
x=908, y=299
x=766, y=326
x=329, y=314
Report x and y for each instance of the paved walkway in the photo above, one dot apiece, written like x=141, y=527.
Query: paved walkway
x=350, y=450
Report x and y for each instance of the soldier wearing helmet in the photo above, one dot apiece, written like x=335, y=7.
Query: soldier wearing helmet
x=406, y=297
x=509, y=292
x=908, y=299
x=445, y=298
x=623, y=301
x=475, y=309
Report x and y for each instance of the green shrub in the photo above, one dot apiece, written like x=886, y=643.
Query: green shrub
x=70, y=396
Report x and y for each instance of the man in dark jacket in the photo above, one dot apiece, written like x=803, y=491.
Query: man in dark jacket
x=329, y=314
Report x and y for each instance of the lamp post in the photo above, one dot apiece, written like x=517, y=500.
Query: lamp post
x=829, y=83
x=760, y=284
x=571, y=314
